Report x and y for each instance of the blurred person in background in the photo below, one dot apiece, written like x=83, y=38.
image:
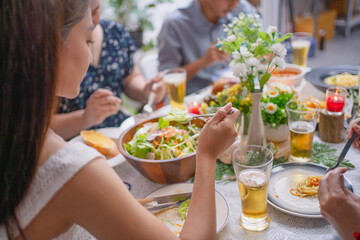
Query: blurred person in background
x=188, y=37
x=110, y=73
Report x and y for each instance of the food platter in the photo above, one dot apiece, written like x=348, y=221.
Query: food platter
x=222, y=208
x=284, y=177
x=317, y=75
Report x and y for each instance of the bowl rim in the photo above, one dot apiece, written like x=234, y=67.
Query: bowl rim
x=294, y=66
x=127, y=155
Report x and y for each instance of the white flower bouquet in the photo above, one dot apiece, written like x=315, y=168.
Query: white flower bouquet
x=256, y=54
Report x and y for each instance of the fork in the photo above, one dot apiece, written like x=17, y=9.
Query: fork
x=148, y=107
x=344, y=151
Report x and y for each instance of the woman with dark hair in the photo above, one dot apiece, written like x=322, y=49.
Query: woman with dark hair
x=53, y=189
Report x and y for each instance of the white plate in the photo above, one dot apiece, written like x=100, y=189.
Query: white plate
x=222, y=208
x=285, y=177
x=113, y=133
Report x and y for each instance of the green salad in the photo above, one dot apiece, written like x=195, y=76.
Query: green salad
x=162, y=140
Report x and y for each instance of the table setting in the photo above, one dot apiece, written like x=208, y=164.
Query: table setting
x=290, y=132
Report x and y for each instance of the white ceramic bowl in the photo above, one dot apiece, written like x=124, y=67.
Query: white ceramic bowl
x=293, y=80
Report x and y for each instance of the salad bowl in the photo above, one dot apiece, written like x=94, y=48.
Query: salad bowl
x=164, y=171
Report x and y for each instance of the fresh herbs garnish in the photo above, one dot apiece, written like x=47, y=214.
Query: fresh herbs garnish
x=222, y=170
x=323, y=154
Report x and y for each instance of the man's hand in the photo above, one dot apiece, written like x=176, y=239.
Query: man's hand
x=215, y=55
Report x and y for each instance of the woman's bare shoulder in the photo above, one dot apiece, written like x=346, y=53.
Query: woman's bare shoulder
x=52, y=144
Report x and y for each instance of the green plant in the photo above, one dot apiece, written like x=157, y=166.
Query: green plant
x=256, y=54
x=274, y=102
x=134, y=15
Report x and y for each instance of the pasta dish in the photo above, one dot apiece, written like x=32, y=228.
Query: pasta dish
x=344, y=79
x=306, y=187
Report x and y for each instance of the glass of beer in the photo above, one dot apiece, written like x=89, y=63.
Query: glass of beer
x=175, y=82
x=252, y=165
x=300, y=43
x=302, y=118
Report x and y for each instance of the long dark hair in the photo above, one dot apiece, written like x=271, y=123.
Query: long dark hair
x=31, y=33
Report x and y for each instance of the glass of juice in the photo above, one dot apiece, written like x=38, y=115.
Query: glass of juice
x=302, y=119
x=252, y=165
x=175, y=82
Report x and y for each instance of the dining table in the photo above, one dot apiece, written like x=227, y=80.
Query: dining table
x=282, y=225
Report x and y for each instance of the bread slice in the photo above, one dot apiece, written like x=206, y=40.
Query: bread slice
x=100, y=142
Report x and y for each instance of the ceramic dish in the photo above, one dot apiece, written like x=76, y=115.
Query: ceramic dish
x=222, y=208
x=295, y=72
x=283, y=178
x=317, y=75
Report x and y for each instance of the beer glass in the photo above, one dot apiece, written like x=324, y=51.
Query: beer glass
x=175, y=82
x=302, y=118
x=300, y=43
x=252, y=165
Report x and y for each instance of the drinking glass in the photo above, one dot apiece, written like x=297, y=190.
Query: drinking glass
x=302, y=119
x=175, y=82
x=300, y=43
x=252, y=165
x=335, y=100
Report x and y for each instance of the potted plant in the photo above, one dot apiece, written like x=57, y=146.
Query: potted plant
x=256, y=54
x=273, y=104
x=134, y=15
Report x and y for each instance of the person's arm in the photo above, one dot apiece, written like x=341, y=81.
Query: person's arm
x=338, y=204
x=137, y=88
x=211, y=56
x=107, y=210
x=100, y=105
x=354, y=127
x=201, y=219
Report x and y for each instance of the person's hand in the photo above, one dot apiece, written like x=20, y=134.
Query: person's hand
x=219, y=132
x=338, y=204
x=159, y=90
x=215, y=55
x=100, y=105
x=354, y=127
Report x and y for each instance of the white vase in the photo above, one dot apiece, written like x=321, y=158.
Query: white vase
x=256, y=134
x=279, y=134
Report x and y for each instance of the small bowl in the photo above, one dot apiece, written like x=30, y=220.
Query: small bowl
x=160, y=171
x=296, y=74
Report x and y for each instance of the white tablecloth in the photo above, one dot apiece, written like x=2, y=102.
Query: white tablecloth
x=282, y=225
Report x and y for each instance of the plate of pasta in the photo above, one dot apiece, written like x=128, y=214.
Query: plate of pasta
x=293, y=188
x=332, y=76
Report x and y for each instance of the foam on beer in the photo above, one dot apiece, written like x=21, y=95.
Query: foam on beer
x=298, y=44
x=174, y=78
x=253, y=178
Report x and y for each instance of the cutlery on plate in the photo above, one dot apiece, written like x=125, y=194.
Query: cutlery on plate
x=148, y=107
x=344, y=151
x=154, y=203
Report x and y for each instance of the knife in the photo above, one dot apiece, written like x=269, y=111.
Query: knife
x=163, y=201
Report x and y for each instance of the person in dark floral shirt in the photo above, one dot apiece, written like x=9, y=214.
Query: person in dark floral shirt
x=111, y=72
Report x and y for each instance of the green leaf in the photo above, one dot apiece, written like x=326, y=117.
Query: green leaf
x=264, y=80
x=286, y=36
x=183, y=209
x=323, y=154
x=264, y=36
x=163, y=123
